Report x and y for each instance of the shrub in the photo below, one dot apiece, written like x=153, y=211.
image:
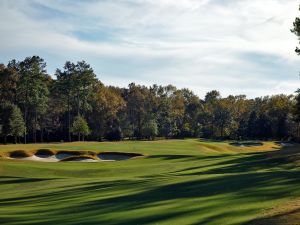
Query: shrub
x=115, y=134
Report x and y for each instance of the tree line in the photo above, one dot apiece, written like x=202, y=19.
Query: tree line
x=35, y=107
x=76, y=105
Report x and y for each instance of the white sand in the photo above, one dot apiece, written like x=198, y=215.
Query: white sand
x=53, y=159
x=46, y=158
x=36, y=158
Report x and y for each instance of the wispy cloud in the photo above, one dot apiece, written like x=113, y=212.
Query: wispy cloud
x=240, y=46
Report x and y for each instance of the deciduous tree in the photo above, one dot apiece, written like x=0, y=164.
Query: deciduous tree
x=80, y=127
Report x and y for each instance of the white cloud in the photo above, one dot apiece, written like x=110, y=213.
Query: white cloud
x=198, y=44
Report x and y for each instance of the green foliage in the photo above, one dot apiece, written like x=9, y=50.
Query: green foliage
x=5, y=114
x=105, y=103
x=49, y=106
x=80, y=127
x=11, y=120
x=16, y=123
x=296, y=30
x=9, y=79
x=297, y=107
x=74, y=87
x=149, y=129
x=75, y=84
x=33, y=92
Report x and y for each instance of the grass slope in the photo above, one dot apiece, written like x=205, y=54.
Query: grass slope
x=179, y=182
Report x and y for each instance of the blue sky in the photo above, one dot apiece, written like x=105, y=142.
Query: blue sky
x=234, y=46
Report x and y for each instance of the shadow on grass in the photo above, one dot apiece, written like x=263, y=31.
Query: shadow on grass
x=100, y=209
x=19, y=180
x=247, y=162
x=185, y=157
x=249, y=178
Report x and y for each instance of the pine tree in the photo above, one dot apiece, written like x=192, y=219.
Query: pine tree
x=296, y=112
x=16, y=123
x=5, y=113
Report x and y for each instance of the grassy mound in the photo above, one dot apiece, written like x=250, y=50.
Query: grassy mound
x=77, y=158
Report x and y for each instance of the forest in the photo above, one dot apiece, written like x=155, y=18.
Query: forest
x=77, y=106
x=74, y=105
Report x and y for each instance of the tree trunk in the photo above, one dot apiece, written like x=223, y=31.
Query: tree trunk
x=222, y=130
x=26, y=112
x=78, y=105
x=69, y=120
x=25, y=121
x=139, y=128
x=298, y=132
x=42, y=135
x=47, y=136
x=35, y=125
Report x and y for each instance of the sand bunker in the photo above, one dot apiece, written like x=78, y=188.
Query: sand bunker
x=80, y=159
x=36, y=158
x=246, y=144
x=46, y=155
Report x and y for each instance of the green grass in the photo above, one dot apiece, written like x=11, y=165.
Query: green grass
x=179, y=182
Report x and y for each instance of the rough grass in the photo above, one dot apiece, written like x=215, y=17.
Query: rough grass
x=180, y=182
x=283, y=214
